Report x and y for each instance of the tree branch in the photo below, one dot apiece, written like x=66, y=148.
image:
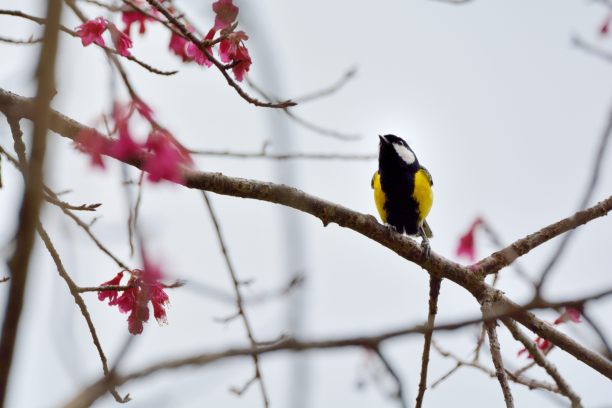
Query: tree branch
x=434, y=292
x=32, y=195
x=367, y=225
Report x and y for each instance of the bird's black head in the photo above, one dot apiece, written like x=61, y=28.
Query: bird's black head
x=395, y=151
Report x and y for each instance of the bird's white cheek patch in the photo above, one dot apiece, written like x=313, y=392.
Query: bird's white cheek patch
x=404, y=153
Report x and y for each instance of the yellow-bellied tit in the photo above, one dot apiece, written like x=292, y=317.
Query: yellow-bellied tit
x=402, y=189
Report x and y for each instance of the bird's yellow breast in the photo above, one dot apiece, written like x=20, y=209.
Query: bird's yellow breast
x=379, y=197
x=422, y=193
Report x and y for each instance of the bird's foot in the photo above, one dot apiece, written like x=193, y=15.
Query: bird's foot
x=425, y=243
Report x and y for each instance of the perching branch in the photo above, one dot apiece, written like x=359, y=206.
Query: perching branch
x=367, y=225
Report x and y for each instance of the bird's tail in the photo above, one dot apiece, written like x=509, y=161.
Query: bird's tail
x=427, y=229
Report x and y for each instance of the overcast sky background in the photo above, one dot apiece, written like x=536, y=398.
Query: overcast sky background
x=492, y=96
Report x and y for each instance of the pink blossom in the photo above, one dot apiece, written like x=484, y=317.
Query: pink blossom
x=142, y=108
x=232, y=49
x=91, y=142
x=111, y=295
x=242, y=63
x=178, y=45
x=91, y=31
x=121, y=40
x=144, y=286
x=605, y=26
x=225, y=12
x=130, y=17
x=195, y=53
x=166, y=159
x=125, y=147
x=569, y=314
x=228, y=47
x=466, y=245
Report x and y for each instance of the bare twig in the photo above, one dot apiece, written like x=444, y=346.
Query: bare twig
x=399, y=391
x=239, y=303
x=500, y=372
x=434, y=292
x=300, y=121
x=591, y=49
x=348, y=75
x=32, y=196
x=586, y=199
x=29, y=41
x=527, y=382
x=5, y=279
x=286, y=156
x=74, y=291
x=541, y=360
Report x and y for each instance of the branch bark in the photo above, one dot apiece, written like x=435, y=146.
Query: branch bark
x=32, y=196
x=328, y=212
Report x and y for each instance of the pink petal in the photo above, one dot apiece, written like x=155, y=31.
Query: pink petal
x=111, y=295
x=91, y=31
x=121, y=40
x=226, y=13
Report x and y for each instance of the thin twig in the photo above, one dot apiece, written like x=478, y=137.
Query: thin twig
x=543, y=362
x=330, y=90
x=300, y=121
x=586, y=199
x=434, y=292
x=280, y=156
x=74, y=291
x=522, y=380
x=29, y=41
x=399, y=391
x=238, y=294
x=500, y=372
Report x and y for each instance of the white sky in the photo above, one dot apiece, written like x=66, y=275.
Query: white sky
x=493, y=98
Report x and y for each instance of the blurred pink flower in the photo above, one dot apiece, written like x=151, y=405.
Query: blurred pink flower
x=226, y=12
x=467, y=247
x=121, y=40
x=91, y=142
x=91, y=31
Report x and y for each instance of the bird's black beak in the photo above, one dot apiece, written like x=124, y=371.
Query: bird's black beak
x=383, y=139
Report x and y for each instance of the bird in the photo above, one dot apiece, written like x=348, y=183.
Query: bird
x=403, y=189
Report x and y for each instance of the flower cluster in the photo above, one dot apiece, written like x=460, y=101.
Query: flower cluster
x=143, y=287
x=467, y=246
x=231, y=44
x=569, y=314
x=231, y=50
x=91, y=32
x=162, y=156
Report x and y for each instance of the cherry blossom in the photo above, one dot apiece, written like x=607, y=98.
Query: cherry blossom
x=121, y=40
x=466, y=245
x=226, y=12
x=91, y=31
